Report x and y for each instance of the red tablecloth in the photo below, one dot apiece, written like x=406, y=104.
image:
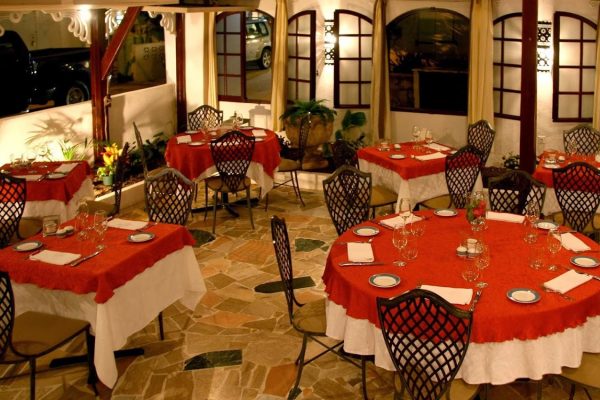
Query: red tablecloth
x=544, y=174
x=407, y=168
x=193, y=161
x=496, y=318
x=116, y=265
x=61, y=189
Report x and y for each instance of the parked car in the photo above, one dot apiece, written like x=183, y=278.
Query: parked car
x=36, y=77
x=258, y=42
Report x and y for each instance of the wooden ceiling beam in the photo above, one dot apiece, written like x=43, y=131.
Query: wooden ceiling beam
x=117, y=40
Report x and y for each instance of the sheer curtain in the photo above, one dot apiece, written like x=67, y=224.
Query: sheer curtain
x=210, y=60
x=596, y=118
x=380, y=88
x=481, y=79
x=279, y=65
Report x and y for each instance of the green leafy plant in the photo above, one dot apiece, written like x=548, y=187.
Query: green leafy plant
x=74, y=151
x=300, y=108
x=511, y=161
x=110, y=155
x=351, y=121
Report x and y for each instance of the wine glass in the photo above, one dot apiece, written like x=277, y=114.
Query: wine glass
x=405, y=209
x=81, y=219
x=553, y=243
x=42, y=150
x=415, y=134
x=470, y=272
x=428, y=136
x=532, y=214
x=482, y=256
x=400, y=240
x=100, y=227
x=238, y=119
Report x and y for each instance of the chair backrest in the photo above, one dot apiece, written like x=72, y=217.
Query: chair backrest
x=169, y=196
x=205, y=117
x=140, y=146
x=347, y=196
x=281, y=244
x=13, y=193
x=297, y=153
x=232, y=154
x=344, y=154
x=577, y=188
x=427, y=339
x=120, y=177
x=7, y=312
x=511, y=192
x=462, y=169
x=586, y=138
x=481, y=135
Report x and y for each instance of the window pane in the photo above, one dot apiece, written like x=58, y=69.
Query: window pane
x=512, y=103
x=304, y=25
x=497, y=72
x=589, y=33
x=568, y=80
x=587, y=106
x=365, y=47
x=234, y=86
x=348, y=24
x=220, y=44
x=365, y=93
x=589, y=54
x=292, y=68
x=234, y=65
x=497, y=51
x=512, y=52
x=512, y=78
x=513, y=28
x=221, y=88
x=304, y=71
x=303, y=90
x=569, y=28
x=220, y=63
x=292, y=50
x=348, y=70
x=303, y=46
x=233, y=44
x=233, y=23
x=291, y=90
x=568, y=106
x=365, y=72
x=220, y=26
x=588, y=77
x=496, y=101
x=569, y=54
x=366, y=27
x=348, y=46
x=348, y=93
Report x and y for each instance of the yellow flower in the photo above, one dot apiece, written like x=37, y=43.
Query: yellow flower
x=109, y=156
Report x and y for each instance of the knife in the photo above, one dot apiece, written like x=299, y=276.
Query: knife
x=82, y=259
x=354, y=263
x=477, y=296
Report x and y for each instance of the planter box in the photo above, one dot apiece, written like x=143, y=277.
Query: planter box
x=130, y=195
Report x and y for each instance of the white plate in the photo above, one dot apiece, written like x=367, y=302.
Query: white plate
x=523, y=295
x=28, y=246
x=140, y=237
x=546, y=225
x=445, y=212
x=384, y=280
x=196, y=144
x=551, y=166
x=397, y=156
x=585, y=261
x=366, y=231
x=55, y=175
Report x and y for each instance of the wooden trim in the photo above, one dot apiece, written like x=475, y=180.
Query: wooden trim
x=97, y=84
x=529, y=85
x=180, y=73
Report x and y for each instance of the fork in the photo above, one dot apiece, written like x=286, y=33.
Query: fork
x=356, y=241
x=563, y=295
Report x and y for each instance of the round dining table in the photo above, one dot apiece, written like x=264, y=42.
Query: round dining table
x=189, y=152
x=509, y=340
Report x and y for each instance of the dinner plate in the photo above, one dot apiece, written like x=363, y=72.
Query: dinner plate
x=585, y=261
x=56, y=175
x=140, y=237
x=546, y=225
x=551, y=166
x=523, y=295
x=445, y=212
x=193, y=144
x=397, y=156
x=366, y=231
x=384, y=280
x=28, y=246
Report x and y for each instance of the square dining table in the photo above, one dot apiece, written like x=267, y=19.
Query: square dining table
x=54, y=188
x=118, y=292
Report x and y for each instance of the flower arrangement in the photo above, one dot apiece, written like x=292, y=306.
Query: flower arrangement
x=476, y=206
x=109, y=156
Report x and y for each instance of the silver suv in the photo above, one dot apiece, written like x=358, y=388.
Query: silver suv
x=258, y=42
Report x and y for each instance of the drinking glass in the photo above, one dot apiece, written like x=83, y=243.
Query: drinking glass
x=400, y=240
x=536, y=256
x=553, y=243
x=482, y=256
x=81, y=220
x=410, y=250
x=532, y=214
x=470, y=272
x=416, y=132
x=100, y=227
x=405, y=209
x=428, y=136
x=238, y=119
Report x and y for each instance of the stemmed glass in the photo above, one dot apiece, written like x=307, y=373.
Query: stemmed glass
x=553, y=243
x=428, y=136
x=100, y=228
x=42, y=151
x=400, y=240
x=405, y=209
x=416, y=132
x=482, y=257
x=238, y=119
x=532, y=214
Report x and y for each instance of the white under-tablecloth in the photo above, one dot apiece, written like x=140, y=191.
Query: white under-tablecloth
x=132, y=307
x=42, y=208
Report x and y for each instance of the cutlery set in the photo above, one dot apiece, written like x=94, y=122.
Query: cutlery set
x=82, y=259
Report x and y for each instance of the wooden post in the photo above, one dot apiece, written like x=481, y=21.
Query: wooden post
x=98, y=84
x=529, y=86
x=180, y=75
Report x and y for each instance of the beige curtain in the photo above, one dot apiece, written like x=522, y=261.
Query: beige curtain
x=481, y=80
x=380, y=92
x=596, y=117
x=210, y=60
x=279, y=65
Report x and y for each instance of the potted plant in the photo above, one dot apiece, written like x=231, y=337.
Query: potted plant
x=107, y=171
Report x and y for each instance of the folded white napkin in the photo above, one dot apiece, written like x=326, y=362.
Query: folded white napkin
x=398, y=221
x=360, y=252
x=259, y=132
x=438, y=147
x=66, y=167
x=567, y=281
x=451, y=295
x=55, y=257
x=506, y=217
x=29, y=177
x=431, y=156
x=571, y=242
x=126, y=224
x=184, y=139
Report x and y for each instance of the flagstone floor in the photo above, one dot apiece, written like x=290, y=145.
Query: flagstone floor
x=238, y=343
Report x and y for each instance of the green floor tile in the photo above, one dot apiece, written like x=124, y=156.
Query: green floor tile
x=202, y=237
x=214, y=359
x=274, y=287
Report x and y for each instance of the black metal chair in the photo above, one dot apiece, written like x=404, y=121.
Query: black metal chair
x=32, y=335
x=140, y=146
x=511, y=192
x=232, y=154
x=347, y=196
x=205, y=117
x=308, y=319
x=481, y=135
x=13, y=193
x=117, y=187
x=462, y=169
x=169, y=197
x=427, y=339
x=585, y=137
x=577, y=188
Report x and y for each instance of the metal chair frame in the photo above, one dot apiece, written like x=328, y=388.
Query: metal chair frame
x=169, y=197
x=513, y=190
x=481, y=135
x=205, y=117
x=13, y=192
x=462, y=169
x=586, y=137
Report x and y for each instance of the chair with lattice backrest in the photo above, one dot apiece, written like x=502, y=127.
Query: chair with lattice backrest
x=585, y=138
x=427, y=339
x=577, y=188
x=169, y=197
x=347, y=196
x=13, y=194
x=308, y=319
x=481, y=135
x=31, y=335
x=511, y=192
x=232, y=154
x=117, y=187
x=205, y=117
x=140, y=145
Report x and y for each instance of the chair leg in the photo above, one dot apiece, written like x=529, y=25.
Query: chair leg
x=363, y=368
x=161, y=329
x=32, y=378
x=572, y=393
x=92, y=376
x=296, y=184
x=300, y=360
x=538, y=389
x=215, y=211
x=266, y=201
x=249, y=206
x=205, y=200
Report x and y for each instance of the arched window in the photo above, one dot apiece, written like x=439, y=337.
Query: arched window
x=429, y=61
x=302, y=63
x=508, y=32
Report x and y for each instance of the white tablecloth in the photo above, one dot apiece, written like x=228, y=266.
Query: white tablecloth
x=66, y=211
x=132, y=307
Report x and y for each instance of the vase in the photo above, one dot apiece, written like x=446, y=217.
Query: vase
x=107, y=180
x=476, y=207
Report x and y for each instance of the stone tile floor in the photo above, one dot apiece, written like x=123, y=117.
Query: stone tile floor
x=233, y=319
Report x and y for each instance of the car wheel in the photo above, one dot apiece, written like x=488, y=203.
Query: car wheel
x=74, y=92
x=265, y=59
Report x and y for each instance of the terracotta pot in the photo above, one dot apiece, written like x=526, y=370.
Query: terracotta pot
x=319, y=132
